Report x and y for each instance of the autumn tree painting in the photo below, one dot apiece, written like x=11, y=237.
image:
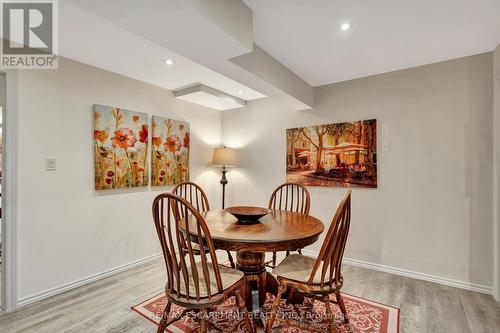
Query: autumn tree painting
x=170, y=155
x=340, y=154
x=120, y=148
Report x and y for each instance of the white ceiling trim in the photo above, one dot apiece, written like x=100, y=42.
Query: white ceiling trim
x=209, y=97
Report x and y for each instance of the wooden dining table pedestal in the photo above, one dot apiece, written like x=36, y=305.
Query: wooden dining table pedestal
x=277, y=231
x=252, y=264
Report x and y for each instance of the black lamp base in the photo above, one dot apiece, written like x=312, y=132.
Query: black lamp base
x=223, y=181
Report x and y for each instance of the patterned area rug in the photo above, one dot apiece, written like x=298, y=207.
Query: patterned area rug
x=365, y=316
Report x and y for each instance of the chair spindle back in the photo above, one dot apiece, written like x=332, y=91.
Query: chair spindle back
x=333, y=247
x=291, y=197
x=194, y=194
x=182, y=269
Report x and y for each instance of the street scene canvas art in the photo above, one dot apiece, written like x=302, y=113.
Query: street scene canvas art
x=335, y=155
x=120, y=148
x=170, y=156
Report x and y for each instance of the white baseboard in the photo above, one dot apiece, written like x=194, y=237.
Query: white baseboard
x=415, y=275
x=86, y=280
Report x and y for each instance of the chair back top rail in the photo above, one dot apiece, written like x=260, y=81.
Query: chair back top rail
x=332, y=250
x=291, y=197
x=183, y=272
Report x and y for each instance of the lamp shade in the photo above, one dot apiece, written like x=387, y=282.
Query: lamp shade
x=224, y=157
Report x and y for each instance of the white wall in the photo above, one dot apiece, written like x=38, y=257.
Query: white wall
x=432, y=212
x=66, y=230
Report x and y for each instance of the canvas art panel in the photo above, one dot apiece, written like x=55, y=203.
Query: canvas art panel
x=334, y=155
x=120, y=148
x=170, y=155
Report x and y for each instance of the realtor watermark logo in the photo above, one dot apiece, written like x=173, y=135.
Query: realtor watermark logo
x=29, y=34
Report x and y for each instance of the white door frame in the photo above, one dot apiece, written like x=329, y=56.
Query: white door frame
x=9, y=191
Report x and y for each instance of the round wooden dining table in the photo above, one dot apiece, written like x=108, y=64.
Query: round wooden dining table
x=277, y=231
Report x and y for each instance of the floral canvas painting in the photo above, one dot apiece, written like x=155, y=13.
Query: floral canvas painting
x=341, y=154
x=120, y=148
x=170, y=156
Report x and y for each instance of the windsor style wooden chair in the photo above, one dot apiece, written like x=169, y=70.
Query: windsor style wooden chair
x=193, y=285
x=317, y=278
x=290, y=197
x=195, y=195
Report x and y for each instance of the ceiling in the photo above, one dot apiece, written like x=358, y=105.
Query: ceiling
x=385, y=35
x=296, y=44
x=91, y=39
x=128, y=35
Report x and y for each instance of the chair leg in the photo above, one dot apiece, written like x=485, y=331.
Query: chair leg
x=243, y=309
x=203, y=321
x=287, y=253
x=329, y=315
x=276, y=304
x=163, y=322
x=340, y=302
x=274, y=259
x=231, y=261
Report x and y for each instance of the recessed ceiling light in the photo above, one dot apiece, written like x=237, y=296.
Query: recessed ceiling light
x=169, y=62
x=345, y=26
x=240, y=92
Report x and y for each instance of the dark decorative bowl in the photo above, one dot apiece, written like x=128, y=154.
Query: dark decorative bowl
x=247, y=214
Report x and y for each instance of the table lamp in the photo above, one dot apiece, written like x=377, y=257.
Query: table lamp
x=225, y=158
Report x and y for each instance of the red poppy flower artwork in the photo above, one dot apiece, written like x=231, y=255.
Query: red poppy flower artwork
x=123, y=135
x=124, y=138
x=170, y=157
x=100, y=135
x=143, y=134
x=156, y=141
x=173, y=144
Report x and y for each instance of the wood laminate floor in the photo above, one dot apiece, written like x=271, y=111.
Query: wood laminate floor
x=104, y=306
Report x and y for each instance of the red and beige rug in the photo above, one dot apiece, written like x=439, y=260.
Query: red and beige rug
x=365, y=316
